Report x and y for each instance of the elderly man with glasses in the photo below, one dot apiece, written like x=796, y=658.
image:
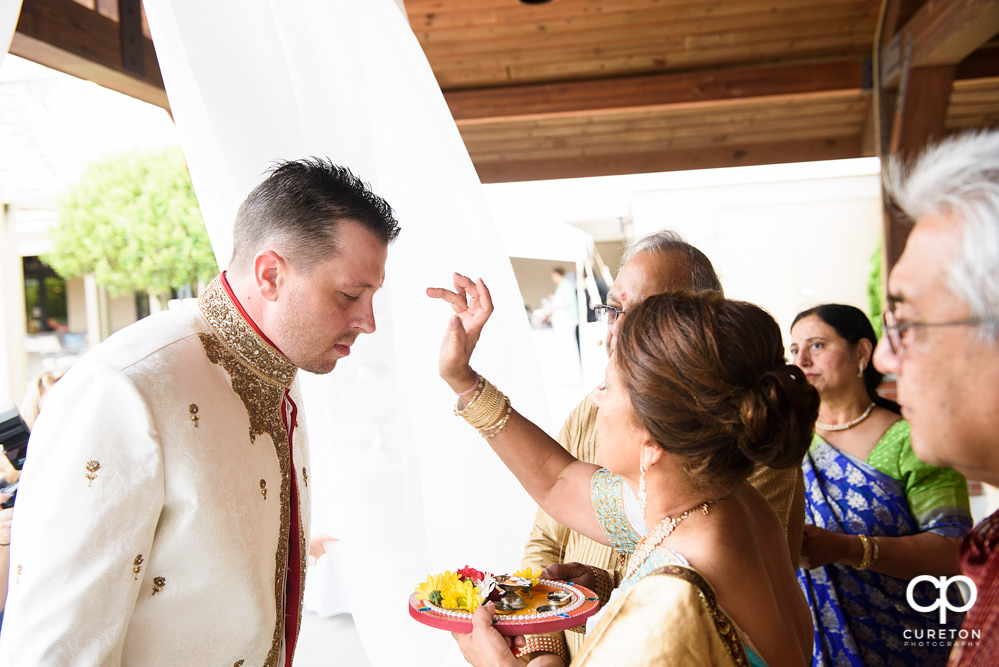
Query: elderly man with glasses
x=658, y=263
x=942, y=341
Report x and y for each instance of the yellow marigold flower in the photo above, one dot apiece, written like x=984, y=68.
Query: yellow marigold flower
x=462, y=595
x=529, y=573
x=473, y=597
x=434, y=588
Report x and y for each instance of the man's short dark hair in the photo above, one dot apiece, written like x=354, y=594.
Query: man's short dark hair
x=298, y=208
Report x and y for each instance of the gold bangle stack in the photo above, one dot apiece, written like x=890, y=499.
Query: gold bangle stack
x=488, y=410
x=871, y=551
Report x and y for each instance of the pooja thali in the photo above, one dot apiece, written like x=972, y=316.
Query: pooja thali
x=548, y=606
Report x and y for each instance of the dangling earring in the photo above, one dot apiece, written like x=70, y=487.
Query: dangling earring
x=860, y=373
x=642, y=491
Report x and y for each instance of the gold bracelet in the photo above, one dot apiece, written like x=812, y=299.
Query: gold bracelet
x=479, y=384
x=484, y=402
x=488, y=411
x=868, y=558
x=494, y=430
x=877, y=551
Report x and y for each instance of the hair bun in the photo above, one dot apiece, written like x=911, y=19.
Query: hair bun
x=778, y=416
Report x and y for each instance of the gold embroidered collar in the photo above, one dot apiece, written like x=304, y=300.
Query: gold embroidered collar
x=240, y=338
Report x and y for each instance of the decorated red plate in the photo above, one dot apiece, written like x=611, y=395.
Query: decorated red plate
x=571, y=605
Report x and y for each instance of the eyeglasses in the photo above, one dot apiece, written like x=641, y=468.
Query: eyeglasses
x=608, y=314
x=893, y=329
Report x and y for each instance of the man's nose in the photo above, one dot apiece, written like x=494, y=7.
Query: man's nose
x=365, y=319
x=885, y=360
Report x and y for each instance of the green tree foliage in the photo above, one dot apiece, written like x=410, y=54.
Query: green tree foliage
x=876, y=288
x=133, y=221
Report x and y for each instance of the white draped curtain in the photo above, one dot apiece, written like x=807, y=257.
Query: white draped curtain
x=407, y=487
x=9, y=11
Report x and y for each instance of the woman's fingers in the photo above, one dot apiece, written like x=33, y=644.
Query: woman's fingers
x=457, y=301
x=485, y=299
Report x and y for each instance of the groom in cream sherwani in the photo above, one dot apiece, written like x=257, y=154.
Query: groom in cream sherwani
x=163, y=510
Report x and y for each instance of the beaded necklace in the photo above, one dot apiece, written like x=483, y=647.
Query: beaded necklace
x=846, y=425
x=657, y=535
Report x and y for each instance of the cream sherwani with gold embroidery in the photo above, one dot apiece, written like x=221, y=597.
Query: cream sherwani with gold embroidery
x=153, y=515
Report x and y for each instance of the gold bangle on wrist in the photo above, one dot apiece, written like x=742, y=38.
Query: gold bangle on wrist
x=869, y=556
x=488, y=411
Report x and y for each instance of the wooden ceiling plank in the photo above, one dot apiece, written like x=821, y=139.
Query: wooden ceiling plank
x=624, y=65
x=653, y=143
x=655, y=19
x=697, y=158
x=734, y=114
x=661, y=48
x=66, y=36
x=690, y=132
x=652, y=90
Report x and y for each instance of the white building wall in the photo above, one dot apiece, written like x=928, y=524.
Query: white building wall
x=786, y=244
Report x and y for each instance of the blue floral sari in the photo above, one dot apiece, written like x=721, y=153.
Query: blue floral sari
x=861, y=617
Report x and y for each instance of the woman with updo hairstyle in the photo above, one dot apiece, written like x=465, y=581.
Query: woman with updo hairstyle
x=696, y=392
x=876, y=516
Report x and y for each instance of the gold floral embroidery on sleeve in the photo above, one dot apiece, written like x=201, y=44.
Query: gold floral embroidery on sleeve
x=263, y=488
x=608, y=504
x=137, y=567
x=193, y=409
x=159, y=583
x=92, y=467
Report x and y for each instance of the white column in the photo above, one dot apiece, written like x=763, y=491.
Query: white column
x=96, y=311
x=13, y=359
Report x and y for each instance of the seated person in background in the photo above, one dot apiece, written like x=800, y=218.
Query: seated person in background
x=31, y=405
x=696, y=392
x=658, y=263
x=877, y=516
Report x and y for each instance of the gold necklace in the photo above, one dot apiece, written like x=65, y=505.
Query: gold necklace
x=657, y=535
x=849, y=424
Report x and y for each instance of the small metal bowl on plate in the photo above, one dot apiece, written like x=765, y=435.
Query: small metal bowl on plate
x=513, y=584
x=510, y=602
x=560, y=598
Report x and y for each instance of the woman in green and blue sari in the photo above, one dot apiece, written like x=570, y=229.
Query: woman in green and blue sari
x=876, y=516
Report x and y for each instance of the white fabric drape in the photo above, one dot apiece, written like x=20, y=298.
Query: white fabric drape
x=9, y=11
x=407, y=487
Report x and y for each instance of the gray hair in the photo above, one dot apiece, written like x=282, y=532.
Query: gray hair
x=668, y=242
x=959, y=178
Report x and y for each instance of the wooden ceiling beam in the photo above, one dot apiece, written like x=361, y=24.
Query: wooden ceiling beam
x=69, y=37
x=652, y=91
x=640, y=162
x=921, y=60
x=942, y=32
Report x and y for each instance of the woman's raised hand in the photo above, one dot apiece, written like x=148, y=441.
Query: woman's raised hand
x=472, y=307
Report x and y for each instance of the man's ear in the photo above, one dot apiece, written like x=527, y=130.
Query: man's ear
x=268, y=273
